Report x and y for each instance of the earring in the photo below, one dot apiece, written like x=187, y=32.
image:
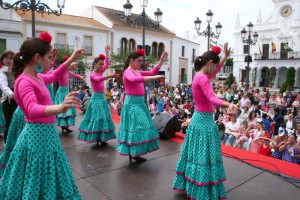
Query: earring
x=39, y=68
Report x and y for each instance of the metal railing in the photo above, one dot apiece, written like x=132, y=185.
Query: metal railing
x=278, y=56
x=74, y=83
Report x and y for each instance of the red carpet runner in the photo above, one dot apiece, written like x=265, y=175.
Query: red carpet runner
x=272, y=164
x=265, y=162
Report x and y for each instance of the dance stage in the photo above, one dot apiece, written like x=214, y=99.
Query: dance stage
x=102, y=174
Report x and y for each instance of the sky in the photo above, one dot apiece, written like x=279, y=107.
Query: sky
x=179, y=15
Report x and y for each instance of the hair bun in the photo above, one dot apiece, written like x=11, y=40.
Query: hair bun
x=216, y=49
x=45, y=37
x=65, y=58
x=140, y=52
x=102, y=57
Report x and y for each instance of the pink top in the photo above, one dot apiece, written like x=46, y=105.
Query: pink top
x=97, y=78
x=134, y=82
x=64, y=79
x=33, y=96
x=203, y=94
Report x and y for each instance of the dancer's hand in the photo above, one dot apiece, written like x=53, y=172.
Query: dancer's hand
x=226, y=50
x=73, y=66
x=55, y=52
x=159, y=77
x=76, y=54
x=107, y=50
x=232, y=109
x=71, y=101
x=164, y=56
x=113, y=75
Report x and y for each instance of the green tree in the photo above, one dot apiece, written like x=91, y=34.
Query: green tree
x=290, y=79
x=230, y=80
x=82, y=64
x=229, y=62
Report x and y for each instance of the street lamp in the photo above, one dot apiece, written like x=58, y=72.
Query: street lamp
x=208, y=32
x=33, y=5
x=248, y=40
x=142, y=20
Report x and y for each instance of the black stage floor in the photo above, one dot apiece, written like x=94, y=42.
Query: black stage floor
x=102, y=174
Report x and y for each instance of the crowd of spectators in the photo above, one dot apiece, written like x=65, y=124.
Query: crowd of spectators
x=267, y=123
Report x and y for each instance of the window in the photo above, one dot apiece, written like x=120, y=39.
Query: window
x=131, y=45
x=246, y=49
x=148, y=50
x=154, y=49
x=265, y=53
x=161, y=47
x=182, y=51
x=88, y=45
x=123, y=45
x=283, y=52
x=2, y=45
x=61, y=39
x=193, y=56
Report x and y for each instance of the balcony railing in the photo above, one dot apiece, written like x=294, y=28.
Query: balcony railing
x=278, y=56
x=61, y=46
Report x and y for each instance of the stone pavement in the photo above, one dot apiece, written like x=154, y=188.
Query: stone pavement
x=102, y=174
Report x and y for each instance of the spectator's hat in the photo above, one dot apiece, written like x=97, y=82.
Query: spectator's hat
x=281, y=132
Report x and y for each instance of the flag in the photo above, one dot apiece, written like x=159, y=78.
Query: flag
x=259, y=49
x=287, y=48
x=273, y=48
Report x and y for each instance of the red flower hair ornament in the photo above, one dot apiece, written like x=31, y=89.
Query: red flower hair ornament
x=102, y=57
x=216, y=49
x=45, y=37
x=65, y=58
x=140, y=52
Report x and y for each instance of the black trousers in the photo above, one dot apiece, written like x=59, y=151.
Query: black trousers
x=8, y=107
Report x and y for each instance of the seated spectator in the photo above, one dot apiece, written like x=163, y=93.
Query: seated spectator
x=289, y=127
x=290, y=150
x=108, y=95
x=254, y=133
x=297, y=118
x=114, y=106
x=280, y=139
x=264, y=145
x=120, y=102
x=245, y=113
x=231, y=131
x=242, y=136
x=160, y=102
x=182, y=115
x=185, y=124
x=266, y=122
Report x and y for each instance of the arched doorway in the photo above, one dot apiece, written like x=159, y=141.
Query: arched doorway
x=264, y=77
x=282, y=75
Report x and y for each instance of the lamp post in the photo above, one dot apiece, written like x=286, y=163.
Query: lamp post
x=249, y=41
x=142, y=20
x=208, y=32
x=33, y=5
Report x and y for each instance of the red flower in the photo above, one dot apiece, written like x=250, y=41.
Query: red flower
x=140, y=52
x=102, y=57
x=65, y=58
x=45, y=37
x=216, y=49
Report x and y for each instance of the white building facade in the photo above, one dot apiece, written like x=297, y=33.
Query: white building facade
x=277, y=49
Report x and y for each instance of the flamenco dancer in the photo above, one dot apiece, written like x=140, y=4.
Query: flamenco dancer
x=97, y=125
x=200, y=171
x=137, y=133
x=67, y=119
x=38, y=167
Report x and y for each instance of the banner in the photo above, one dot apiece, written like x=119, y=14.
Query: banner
x=287, y=48
x=273, y=48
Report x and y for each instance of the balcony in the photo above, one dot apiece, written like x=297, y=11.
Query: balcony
x=293, y=55
x=61, y=46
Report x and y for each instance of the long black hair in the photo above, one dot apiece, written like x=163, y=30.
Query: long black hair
x=200, y=61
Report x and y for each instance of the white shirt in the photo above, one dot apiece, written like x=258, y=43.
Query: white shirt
x=4, y=84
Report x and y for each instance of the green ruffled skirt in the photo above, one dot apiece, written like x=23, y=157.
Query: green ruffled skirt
x=200, y=171
x=68, y=118
x=137, y=133
x=38, y=167
x=97, y=124
x=16, y=126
